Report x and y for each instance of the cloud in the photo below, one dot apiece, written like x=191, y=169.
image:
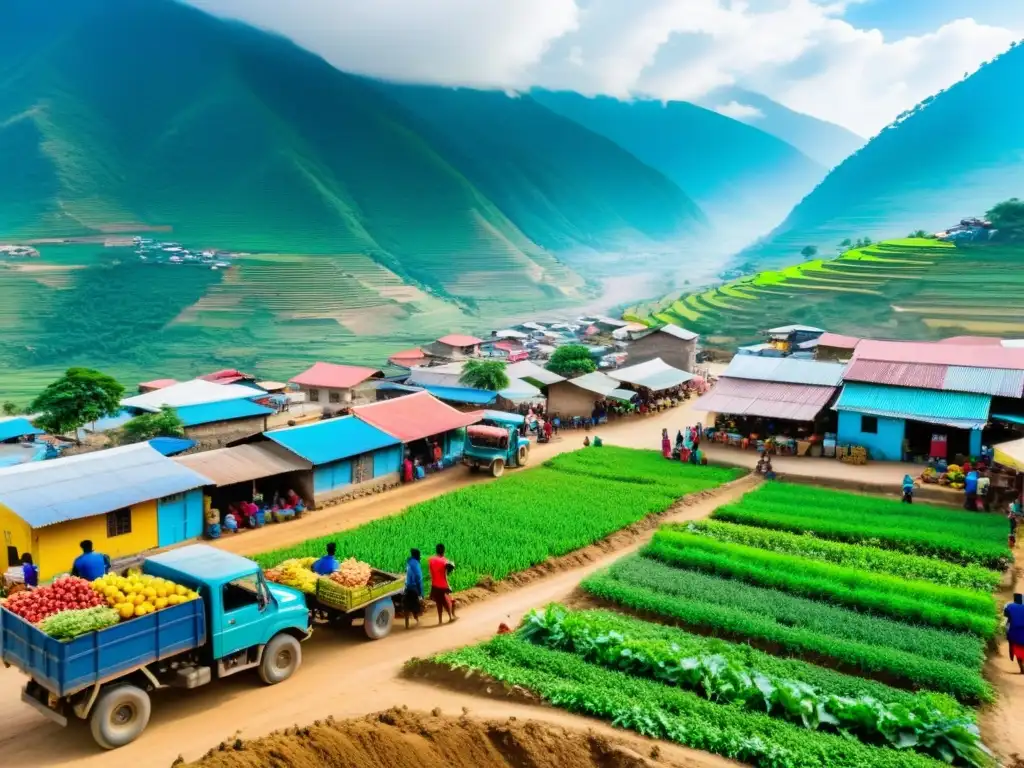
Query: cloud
x=738, y=111
x=802, y=53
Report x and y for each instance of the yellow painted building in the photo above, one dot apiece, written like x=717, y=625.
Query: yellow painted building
x=114, y=498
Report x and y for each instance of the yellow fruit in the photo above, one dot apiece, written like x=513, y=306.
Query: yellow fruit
x=148, y=606
x=149, y=592
x=180, y=590
x=161, y=591
x=161, y=602
x=138, y=598
x=126, y=610
x=140, y=610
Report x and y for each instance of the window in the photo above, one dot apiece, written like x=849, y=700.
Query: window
x=335, y=397
x=314, y=395
x=119, y=522
x=869, y=425
x=174, y=497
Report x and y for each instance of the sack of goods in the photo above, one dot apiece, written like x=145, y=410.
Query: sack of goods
x=352, y=573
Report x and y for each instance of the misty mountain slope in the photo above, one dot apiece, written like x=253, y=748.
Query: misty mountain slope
x=559, y=182
x=743, y=178
x=954, y=155
x=826, y=143
x=239, y=140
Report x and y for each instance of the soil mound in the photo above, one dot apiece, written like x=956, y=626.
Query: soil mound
x=399, y=738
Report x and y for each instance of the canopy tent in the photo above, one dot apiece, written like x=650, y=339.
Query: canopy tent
x=743, y=397
x=596, y=382
x=1010, y=454
x=655, y=375
x=528, y=369
x=962, y=410
x=414, y=417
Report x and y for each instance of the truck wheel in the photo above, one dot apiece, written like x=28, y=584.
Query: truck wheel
x=498, y=467
x=378, y=618
x=281, y=657
x=474, y=468
x=523, y=455
x=119, y=716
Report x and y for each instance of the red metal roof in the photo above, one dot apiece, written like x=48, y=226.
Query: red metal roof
x=413, y=417
x=799, y=402
x=838, y=341
x=896, y=374
x=928, y=353
x=460, y=340
x=226, y=376
x=157, y=384
x=333, y=376
x=980, y=341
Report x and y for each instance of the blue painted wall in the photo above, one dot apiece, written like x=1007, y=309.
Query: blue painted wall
x=331, y=477
x=885, y=445
x=386, y=461
x=179, y=517
x=975, y=449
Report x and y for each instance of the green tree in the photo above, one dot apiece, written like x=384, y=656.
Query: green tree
x=146, y=426
x=571, y=360
x=919, y=233
x=809, y=252
x=485, y=374
x=1007, y=219
x=77, y=398
x=10, y=409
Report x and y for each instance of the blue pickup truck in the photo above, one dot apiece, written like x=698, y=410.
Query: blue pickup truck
x=495, y=443
x=240, y=622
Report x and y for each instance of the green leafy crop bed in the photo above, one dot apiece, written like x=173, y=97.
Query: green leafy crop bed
x=499, y=528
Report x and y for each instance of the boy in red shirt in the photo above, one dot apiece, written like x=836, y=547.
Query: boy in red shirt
x=440, y=592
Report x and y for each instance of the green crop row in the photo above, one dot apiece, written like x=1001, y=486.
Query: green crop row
x=913, y=601
x=913, y=724
x=878, y=532
x=900, y=654
x=627, y=465
x=663, y=712
x=496, y=529
x=859, y=556
x=826, y=680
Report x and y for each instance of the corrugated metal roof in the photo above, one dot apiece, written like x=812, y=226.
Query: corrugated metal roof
x=169, y=446
x=17, y=426
x=655, y=375
x=527, y=369
x=596, y=382
x=929, y=353
x=981, y=341
x=799, y=402
x=460, y=340
x=965, y=410
x=333, y=439
x=334, y=376
x=194, y=392
x=838, y=341
x=679, y=332
x=785, y=370
x=462, y=395
x=896, y=374
x=414, y=417
x=209, y=413
x=46, y=492
x=227, y=466
x=796, y=328
x=988, y=381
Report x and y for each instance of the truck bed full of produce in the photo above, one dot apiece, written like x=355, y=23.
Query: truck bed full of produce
x=96, y=657
x=333, y=595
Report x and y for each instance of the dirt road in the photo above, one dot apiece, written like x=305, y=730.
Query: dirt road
x=342, y=674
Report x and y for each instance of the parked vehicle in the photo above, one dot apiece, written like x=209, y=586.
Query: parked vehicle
x=495, y=443
x=240, y=622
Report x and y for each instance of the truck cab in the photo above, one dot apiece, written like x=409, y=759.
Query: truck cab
x=495, y=443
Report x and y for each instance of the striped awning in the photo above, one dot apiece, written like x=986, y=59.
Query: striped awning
x=963, y=410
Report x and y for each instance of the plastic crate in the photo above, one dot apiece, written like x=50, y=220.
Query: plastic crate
x=335, y=595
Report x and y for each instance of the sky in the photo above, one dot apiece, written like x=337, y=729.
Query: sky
x=857, y=63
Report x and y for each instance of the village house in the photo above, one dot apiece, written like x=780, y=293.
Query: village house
x=336, y=387
x=576, y=397
x=835, y=347
x=673, y=344
x=454, y=346
x=126, y=500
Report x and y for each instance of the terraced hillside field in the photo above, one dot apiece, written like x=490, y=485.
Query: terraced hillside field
x=910, y=288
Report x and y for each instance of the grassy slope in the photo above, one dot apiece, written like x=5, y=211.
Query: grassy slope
x=562, y=184
x=958, y=154
x=745, y=179
x=910, y=288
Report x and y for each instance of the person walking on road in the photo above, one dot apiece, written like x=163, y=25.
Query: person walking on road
x=666, y=444
x=1014, y=613
x=440, y=566
x=413, y=587
x=90, y=565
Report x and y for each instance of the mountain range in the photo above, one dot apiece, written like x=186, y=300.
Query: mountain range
x=953, y=156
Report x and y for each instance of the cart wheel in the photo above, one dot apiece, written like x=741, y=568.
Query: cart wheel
x=498, y=467
x=523, y=455
x=119, y=716
x=281, y=657
x=378, y=618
